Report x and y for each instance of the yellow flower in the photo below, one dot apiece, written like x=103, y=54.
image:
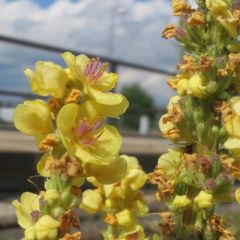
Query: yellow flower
x=46, y=228
x=94, y=144
x=96, y=82
x=196, y=86
x=92, y=201
x=170, y=161
x=28, y=205
x=181, y=202
x=33, y=118
x=203, y=200
x=237, y=195
x=221, y=12
x=47, y=79
x=136, y=177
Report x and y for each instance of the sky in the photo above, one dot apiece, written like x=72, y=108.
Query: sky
x=129, y=30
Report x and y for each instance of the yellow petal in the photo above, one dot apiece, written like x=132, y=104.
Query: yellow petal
x=237, y=195
x=106, y=98
x=81, y=61
x=173, y=102
x=170, y=161
x=132, y=162
x=113, y=111
x=33, y=118
x=35, y=82
x=69, y=58
x=41, y=166
x=46, y=228
x=236, y=126
x=233, y=144
x=107, y=81
x=196, y=86
x=108, y=143
x=235, y=101
x=135, y=179
x=66, y=120
x=55, y=80
x=92, y=201
x=165, y=126
x=48, y=79
x=92, y=109
x=125, y=218
x=28, y=202
x=182, y=87
x=108, y=174
x=29, y=234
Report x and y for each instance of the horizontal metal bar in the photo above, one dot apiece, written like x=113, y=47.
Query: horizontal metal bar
x=36, y=45
x=33, y=96
x=18, y=94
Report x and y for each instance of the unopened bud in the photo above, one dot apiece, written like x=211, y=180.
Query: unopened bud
x=58, y=212
x=215, y=130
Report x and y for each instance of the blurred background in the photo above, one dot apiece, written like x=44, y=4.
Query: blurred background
x=126, y=33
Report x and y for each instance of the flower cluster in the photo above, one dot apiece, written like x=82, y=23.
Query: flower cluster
x=122, y=203
x=76, y=143
x=204, y=119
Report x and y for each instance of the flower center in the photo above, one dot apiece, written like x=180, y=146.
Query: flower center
x=94, y=70
x=85, y=131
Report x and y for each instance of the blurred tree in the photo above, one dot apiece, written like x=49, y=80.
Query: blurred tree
x=140, y=103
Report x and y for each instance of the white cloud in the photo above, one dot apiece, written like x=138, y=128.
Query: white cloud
x=133, y=28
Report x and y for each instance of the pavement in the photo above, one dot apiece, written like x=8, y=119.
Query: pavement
x=13, y=141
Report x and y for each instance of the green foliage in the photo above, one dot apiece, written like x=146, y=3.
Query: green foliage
x=140, y=103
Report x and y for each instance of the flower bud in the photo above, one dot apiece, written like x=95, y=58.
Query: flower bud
x=181, y=202
x=51, y=196
x=91, y=201
x=196, y=86
x=203, y=200
x=58, y=212
x=215, y=129
x=66, y=196
x=109, y=203
x=124, y=218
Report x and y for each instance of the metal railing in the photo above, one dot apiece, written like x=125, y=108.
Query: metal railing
x=113, y=66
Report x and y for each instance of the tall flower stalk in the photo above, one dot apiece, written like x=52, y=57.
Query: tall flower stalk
x=203, y=120
x=121, y=203
x=75, y=142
